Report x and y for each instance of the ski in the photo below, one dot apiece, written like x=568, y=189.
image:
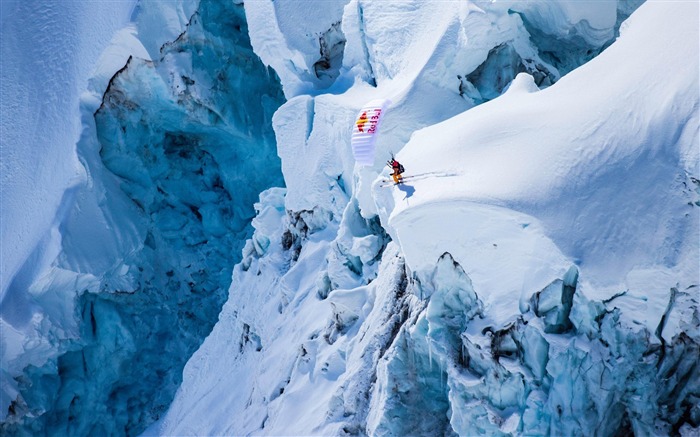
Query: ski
x=415, y=177
x=420, y=176
x=404, y=178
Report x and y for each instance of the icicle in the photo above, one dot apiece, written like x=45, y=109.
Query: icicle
x=430, y=352
x=442, y=385
x=412, y=351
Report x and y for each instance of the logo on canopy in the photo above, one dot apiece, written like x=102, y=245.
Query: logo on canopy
x=362, y=121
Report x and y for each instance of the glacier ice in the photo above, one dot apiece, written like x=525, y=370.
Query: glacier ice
x=526, y=372
x=188, y=140
x=496, y=299
x=554, y=302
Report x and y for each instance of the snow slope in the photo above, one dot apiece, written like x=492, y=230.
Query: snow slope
x=558, y=158
x=539, y=273
x=49, y=52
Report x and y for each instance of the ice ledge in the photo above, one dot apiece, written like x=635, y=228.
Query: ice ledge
x=505, y=253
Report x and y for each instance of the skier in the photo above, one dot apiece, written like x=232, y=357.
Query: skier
x=397, y=168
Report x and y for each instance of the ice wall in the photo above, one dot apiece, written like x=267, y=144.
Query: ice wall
x=180, y=146
x=451, y=369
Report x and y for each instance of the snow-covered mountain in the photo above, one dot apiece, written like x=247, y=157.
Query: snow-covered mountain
x=536, y=273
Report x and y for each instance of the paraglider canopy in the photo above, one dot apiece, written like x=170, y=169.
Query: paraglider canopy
x=366, y=130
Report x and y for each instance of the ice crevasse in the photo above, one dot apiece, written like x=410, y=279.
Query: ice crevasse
x=537, y=275
x=141, y=255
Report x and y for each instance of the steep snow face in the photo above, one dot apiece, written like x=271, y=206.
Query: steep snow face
x=48, y=54
x=517, y=283
x=295, y=359
x=177, y=151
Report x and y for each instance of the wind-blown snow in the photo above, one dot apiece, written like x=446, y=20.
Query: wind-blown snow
x=49, y=51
